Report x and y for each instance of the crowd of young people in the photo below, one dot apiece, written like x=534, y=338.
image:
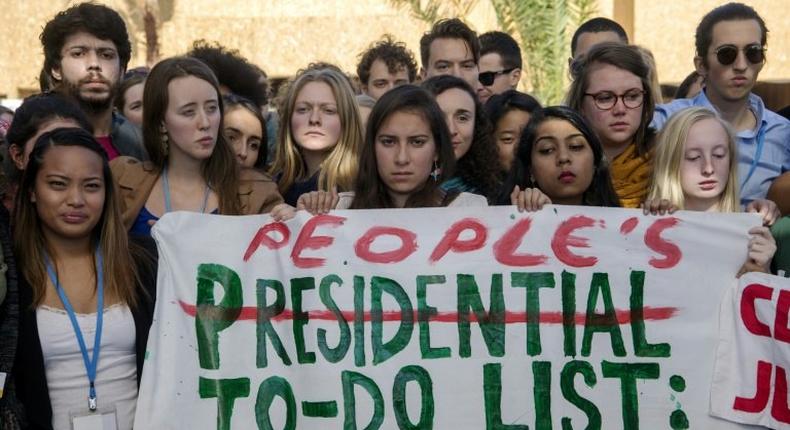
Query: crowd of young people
x=97, y=158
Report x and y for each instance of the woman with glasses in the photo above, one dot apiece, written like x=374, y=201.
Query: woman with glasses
x=613, y=93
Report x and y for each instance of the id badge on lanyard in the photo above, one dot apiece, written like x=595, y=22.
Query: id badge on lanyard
x=92, y=417
x=105, y=418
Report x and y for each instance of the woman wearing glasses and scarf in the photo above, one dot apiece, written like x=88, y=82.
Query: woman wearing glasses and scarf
x=613, y=93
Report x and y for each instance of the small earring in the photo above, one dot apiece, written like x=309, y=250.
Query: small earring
x=165, y=139
x=436, y=172
x=531, y=179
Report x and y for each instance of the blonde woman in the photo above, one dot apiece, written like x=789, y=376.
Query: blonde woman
x=696, y=168
x=320, y=136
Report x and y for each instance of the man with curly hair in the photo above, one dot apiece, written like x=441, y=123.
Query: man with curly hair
x=86, y=51
x=234, y=72
x=385, y=65
x=236, y=75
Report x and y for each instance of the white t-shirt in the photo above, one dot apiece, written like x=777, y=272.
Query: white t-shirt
x=67, y=379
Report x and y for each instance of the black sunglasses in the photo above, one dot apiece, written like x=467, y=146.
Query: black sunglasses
x=487, y=78
x=727, y=54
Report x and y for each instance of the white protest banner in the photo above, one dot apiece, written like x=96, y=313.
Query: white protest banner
x=753, y=359
x=454, y=318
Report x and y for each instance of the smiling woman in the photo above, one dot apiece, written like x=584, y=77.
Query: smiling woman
x=192, y=166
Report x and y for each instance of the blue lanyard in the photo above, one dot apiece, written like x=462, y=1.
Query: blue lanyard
x=758, y=152
x=166, y=186
x=90, y=364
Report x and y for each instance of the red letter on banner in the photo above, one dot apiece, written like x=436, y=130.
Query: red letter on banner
x=669, y=250
x=750, y=294
x=306, y=240
x=563, y=239
x=505, y=248
x=450, y=240
x=262, y=238
x=408, y=245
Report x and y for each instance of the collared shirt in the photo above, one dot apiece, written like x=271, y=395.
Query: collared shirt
x=773, y=130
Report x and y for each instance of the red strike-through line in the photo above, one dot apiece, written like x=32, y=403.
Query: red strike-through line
x=623, y=316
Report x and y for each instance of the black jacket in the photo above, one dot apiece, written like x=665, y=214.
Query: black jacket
x=30, y=376
x=127, y=138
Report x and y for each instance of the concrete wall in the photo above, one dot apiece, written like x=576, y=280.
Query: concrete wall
x=667, y=28
x=283, y=36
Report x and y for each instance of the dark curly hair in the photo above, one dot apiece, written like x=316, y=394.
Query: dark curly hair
x=449, y=29
x=98, y=20
x=479, y=167
x=394, y=54
x=233, y=71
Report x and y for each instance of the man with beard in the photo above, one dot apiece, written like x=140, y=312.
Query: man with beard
x=86, y=50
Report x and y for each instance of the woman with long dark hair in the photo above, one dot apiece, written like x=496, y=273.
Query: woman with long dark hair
x=85, y=292
x=559, y=156
x=477, y=165
x=192, y=167
x=407, y=154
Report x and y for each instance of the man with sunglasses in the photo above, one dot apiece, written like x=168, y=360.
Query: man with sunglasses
x=500, y=64
x=730, y=43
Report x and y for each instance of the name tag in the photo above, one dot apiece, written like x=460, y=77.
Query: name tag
x=103, y=419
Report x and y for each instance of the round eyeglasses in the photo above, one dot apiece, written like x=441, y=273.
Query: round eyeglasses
x=605, y=100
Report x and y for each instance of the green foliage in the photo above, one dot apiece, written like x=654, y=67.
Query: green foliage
x=582, y=10
x=540, y=24
x=430, y=11
x=543, y=28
